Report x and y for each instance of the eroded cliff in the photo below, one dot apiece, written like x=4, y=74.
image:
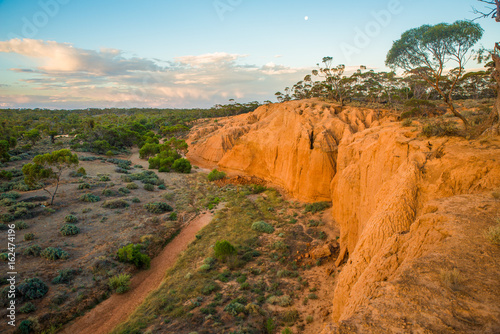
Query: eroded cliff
x=410, y=209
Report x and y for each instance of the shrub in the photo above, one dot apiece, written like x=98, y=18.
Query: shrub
x=149, y=187
x=33, y=288
x=441, y=129
x=257, y=189
x=69, y=229
x=136, y=200
x=21, y=225
x=65, y=276
x=53, y=254
x=71, y=219
x=406, y=123
x=451, y=278
x=309, y=319
x=33, y=250
x=182, y=166
x=81, y=171
x=10, y=195
x=104, y=178
x=493, y=233
x=91, y=198
x=120, y=283
x=83, y=186
x=162, y=187
x=29, y=325
x=132, y=254
x=158, y=207
x=234, y=308
x=209, y=288
x=263, y=227
x=173, y=216
x=132, y=186
x=223, y=249
x=29, y=236
x=115, y=204
x=216, y=175
x=124, y=191
x=108, y=192
x=29, y=307
x=163, y=170
x=317, y=207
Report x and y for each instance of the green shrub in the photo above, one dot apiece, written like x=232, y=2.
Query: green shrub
x=124, y=191
x=29, y=307
x=234, y=308
x=69, y=229
x=406, y=123
x=163, y=170
x=282, y=301
x=84, y=186
x=263, y=227
x=173, y=216
x=182, y=166
x=158, y=207
x=53, y=254
x=29, y=236
x=28, y=326
x=104, y=178
x=257, y=189
x=132, y=186
x=223, y=249
x=33, y=250
x=115, y=204
x=162, y=187
x=209, y=288
x=216, y=175
x=132, y=254
x=65, y=276
x=149, y=187
x=33, y=288
x=136, y=200
x=10, y=195
x=81, y=171
x=71, y=219
x=317, y=207
x=120, y=283
x=91, y=198
x=108, y=192
x=21, y=225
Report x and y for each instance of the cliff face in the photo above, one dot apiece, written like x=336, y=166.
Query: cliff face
x=410, y=209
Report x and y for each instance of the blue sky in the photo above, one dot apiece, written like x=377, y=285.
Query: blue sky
x=193, y=53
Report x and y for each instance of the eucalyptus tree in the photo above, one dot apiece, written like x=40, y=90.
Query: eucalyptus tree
x=336, y=84
x=428, y=50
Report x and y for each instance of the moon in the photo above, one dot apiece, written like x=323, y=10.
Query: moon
x=306, y=18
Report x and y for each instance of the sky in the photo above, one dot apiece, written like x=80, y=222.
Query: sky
x=194, y=53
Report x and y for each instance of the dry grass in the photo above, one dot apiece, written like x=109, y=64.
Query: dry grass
x=451, y=279
x=493, y=233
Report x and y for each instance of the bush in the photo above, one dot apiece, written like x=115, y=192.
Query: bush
x=33, y=288
x=33, y=250
x=108, y=192
x=83, y=186
x=132, y=186
x=440, y=129
x=493, y=233
x=29, y=236
x=263, y=227
x=209, y=288
x=91, y=198
x=124, y=191
x=317, y=207
x=65, y=276
x=234, y=308
x=104, y=178
x=406, y=123
x=163, y=170
x=29, y=307
x=282, y=301
x=132, y=254
x=120, y=283
x=21, y=225
x=71, y=219
x=173, y=216
x=10, y=195
x=223, y=249
x=257, y=189
x=136, y=200
x=182, y=166
x=54, y=254
x=28, y=326
x=115, y=204
x=81, y=171
x=216, y=175
x=69, y=229
x=158, y=207
x=162, y=187
x=149, y=187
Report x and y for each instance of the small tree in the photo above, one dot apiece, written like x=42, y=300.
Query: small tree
x=33, y=136
x=425, y=52
x=336, y=84
x=49, y=167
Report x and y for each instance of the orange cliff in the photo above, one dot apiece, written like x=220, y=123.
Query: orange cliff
x=408, y=209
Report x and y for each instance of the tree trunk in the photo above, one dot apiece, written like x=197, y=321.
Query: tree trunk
x=496, y=76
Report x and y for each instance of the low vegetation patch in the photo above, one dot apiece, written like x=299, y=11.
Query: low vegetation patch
x=120, y=283
x=91, y=198
x=69, y=229
x=493, y=233
x=158, y=207
x=52, y=253
x=263, y=227
x=215, y=175
x=132, y=254
x=115, y=204
x=317, y=207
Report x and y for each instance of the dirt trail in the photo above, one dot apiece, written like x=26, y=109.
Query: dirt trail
x=116, y=309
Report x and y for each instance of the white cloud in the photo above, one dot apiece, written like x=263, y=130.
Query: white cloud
x=73, y=77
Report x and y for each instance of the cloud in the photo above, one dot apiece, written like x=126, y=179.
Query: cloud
x=64, y=76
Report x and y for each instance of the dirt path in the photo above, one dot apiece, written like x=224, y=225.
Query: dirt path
x=116, y=309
